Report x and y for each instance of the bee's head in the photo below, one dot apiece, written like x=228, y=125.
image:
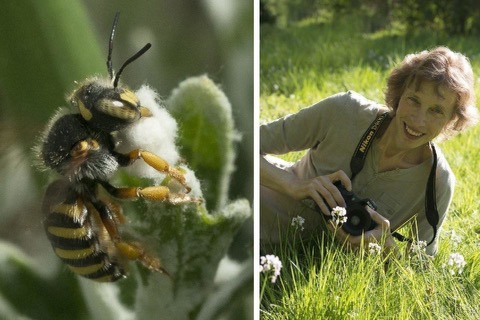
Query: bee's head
x=104, y=104
x=106, y=108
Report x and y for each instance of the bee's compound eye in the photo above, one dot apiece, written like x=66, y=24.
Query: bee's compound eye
x=119, y=104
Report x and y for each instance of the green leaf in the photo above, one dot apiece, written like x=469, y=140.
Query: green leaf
x=207, y=133
x=28, y=293
x=46, y=46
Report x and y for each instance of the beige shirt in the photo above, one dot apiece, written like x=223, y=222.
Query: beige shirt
x=330, y=130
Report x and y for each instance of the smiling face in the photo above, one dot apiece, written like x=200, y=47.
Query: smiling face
x=422, y=114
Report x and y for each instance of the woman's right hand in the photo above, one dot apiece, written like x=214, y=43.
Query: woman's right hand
x=321, y=189
x=381, y=234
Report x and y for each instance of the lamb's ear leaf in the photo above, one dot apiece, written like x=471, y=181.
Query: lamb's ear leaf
x=206, y=136
x=190, y=243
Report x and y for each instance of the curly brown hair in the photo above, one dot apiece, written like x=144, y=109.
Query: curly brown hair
x=445, y=68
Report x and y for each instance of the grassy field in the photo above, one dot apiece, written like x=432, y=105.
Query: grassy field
x=309, y=61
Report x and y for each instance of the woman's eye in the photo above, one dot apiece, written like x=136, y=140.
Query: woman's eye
x=413, y=100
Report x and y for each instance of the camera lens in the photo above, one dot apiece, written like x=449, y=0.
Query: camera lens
x=355, y=220
x=358, y=220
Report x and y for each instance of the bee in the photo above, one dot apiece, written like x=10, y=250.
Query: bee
x=82, y=217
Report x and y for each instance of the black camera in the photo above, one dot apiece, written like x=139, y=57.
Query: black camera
x=358, y=218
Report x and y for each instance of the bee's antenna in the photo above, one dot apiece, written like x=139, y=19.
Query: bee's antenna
x=130, y=60
x=110, y=45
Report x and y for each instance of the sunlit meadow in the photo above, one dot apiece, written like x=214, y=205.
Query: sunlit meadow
x=304, y=63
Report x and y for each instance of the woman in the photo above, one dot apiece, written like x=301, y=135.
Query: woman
x=430, y=95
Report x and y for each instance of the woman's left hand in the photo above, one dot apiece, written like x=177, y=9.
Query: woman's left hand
x=381, y=234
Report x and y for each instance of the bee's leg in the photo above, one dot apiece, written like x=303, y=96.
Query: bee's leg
x=155, y=162
x=154, y=193
x=129, y=250
x=134, y=251
x=116, y=210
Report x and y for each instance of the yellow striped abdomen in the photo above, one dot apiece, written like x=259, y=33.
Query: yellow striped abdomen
x=74, y=241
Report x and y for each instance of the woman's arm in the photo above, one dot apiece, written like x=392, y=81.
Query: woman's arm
x=326, y=195
x=321, y=189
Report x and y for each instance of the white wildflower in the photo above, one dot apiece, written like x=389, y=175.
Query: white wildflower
x=271, y=264
x=339, y=215
x=374, y=248
x=418, y=247
x=298, y=222
x=455, y=238
x=456, y=263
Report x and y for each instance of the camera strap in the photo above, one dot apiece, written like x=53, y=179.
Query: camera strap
x=358, y=161
x=360, y=154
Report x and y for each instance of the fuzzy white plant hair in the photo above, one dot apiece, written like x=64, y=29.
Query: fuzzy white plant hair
x=157, y=134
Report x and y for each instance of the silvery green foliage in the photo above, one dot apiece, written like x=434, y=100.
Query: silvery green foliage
x=208, y=133
x=190, y=240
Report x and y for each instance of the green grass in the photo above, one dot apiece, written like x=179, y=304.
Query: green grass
x=310, y=61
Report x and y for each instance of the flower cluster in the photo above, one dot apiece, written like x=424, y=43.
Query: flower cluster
x=374, y=248
x=455, y=238
x=271, y=264
x=339, y=216
x=298, y=222
x=456, y=263
x=418, y=247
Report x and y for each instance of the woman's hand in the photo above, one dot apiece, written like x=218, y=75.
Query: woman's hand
x=321, y=189
x=381, y=234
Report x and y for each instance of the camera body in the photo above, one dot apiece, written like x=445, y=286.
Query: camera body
x=358, y=218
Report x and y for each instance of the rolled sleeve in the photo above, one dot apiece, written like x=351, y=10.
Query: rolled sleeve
x=302, y=130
